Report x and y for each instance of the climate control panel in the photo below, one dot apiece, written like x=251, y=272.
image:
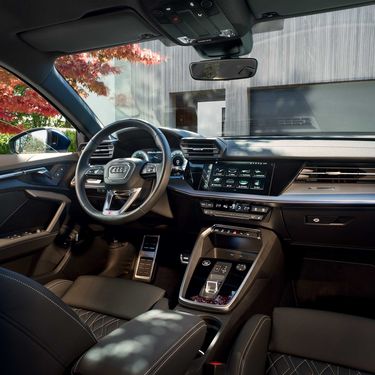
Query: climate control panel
x=234, y=209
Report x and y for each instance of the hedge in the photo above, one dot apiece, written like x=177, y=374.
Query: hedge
x=4, y=140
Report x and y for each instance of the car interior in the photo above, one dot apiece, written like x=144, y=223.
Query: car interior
x=216, y=215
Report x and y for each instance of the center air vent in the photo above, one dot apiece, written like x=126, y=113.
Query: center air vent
x=103, y=151
x=202, y=148
x=337, y=175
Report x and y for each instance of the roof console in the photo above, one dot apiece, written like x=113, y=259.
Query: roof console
x=199, y=23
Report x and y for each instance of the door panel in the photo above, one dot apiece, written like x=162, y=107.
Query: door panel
x=35, y=196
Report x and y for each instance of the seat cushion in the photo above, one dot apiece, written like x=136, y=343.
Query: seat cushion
x=104, y=303
x=329, y=337
x=304, y=342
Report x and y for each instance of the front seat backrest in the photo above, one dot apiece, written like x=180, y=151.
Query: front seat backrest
x=39, y=333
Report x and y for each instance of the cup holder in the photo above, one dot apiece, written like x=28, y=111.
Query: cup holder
x=213, y=327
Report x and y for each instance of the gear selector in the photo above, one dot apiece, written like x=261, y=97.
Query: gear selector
x=215, y=280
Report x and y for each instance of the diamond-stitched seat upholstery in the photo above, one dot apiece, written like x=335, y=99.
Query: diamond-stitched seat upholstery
x=101, y=325
x=283, y=364
x=103, y=304
x=304, y=342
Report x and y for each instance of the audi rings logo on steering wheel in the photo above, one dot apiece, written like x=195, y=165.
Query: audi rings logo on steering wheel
x=117, y=170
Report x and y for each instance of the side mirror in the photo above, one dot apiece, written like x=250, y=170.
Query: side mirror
x=222, y=70
x=39, y=140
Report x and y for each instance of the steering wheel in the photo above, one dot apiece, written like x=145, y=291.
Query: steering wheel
x=125, y=178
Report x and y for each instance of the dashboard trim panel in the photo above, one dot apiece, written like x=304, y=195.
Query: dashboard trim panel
x=288, y=197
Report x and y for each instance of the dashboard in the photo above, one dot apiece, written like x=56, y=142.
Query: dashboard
x=314, y=192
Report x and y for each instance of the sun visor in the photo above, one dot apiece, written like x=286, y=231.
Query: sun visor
x=94, y=32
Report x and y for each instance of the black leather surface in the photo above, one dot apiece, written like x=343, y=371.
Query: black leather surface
x=304, y=342
x=120, y=298
x=59, y=286
x=283, y=364
x=39, y=333
x=156, y=342
x=340, y=339
x=101, y=325
x=251, y=347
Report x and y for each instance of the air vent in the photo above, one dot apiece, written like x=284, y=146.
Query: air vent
x=104, y=150
x=202, y=148
x=337, y=175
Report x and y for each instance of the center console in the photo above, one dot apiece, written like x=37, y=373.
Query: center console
x=225, y=263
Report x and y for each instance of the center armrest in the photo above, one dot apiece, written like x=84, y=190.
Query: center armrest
x=156, y=342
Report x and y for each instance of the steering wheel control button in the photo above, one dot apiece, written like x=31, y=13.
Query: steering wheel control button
x=206, y=263
x=149, y=169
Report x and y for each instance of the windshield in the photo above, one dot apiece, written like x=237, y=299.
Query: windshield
x=315, y=77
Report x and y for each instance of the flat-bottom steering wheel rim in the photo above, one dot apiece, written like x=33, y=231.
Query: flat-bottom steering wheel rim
x=162, y=172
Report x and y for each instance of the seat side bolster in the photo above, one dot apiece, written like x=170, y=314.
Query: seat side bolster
x=59, y=286
x=250, y=350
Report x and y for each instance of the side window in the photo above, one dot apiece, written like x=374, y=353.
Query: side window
x=28, y=123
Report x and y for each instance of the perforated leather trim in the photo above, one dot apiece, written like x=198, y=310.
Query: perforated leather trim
x=283, y=364
x=100, y=324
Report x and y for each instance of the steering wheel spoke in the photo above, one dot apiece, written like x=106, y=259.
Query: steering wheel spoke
x=129, y=195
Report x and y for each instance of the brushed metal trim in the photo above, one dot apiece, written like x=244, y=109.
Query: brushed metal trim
x=147, y=254
x=288, y=197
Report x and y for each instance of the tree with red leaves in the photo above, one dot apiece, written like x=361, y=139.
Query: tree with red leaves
x=21, y=107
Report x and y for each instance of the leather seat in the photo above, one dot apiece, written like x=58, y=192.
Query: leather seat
x=304, y=342
x=103, y=303
x=40, y=333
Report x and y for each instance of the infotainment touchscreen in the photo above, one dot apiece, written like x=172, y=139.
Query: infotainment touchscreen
x=253, y=177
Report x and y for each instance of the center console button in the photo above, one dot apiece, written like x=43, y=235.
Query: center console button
x=256, y=217
x=207, y=204
x=260, y=209
x=241, y=267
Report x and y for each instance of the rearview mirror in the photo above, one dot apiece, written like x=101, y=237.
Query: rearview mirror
x=221, y=70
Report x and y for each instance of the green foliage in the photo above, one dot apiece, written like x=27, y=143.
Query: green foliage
x=30, y=121
x=4, y=140
x=72, y=135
